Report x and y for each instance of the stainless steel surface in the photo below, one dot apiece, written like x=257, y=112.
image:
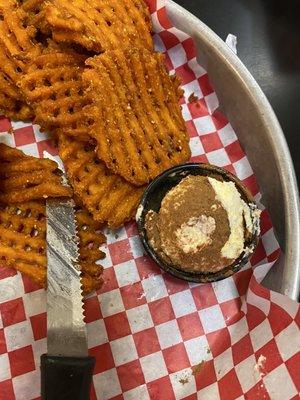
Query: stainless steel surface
x=66, y=330
x=262, y=138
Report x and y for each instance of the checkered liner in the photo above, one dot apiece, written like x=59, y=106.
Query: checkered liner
x=146, y=329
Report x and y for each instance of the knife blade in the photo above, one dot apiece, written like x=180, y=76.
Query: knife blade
x=66, y=330
x=66, y=369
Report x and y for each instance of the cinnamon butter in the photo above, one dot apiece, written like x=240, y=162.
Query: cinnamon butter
x=202, y=224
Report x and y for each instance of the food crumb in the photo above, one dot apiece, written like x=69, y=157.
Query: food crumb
x=193, y=98
x=197, y=368
x=184, y=381
x=141, y=295
x=259, y=366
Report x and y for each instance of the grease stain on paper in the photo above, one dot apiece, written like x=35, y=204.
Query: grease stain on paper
x=197, y=368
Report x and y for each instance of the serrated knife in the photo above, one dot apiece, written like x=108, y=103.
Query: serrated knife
x=66, y=369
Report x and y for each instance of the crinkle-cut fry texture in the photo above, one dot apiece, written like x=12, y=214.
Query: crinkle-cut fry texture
x=35, y=15
x=24, y=178
x=17, y=36
x=16, y=47
x=146, y=133
x=23, y=243
x=10, y=5
x=7, y=5
x=107, y=196
x=89, y=242
x=18, y=41
x=97, y=25
x=53, y=87
x=12, y=102
x=15, y=110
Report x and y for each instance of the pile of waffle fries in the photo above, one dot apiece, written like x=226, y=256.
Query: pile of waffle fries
x=87, y=73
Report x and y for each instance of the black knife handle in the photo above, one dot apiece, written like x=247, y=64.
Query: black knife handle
x=66, y=378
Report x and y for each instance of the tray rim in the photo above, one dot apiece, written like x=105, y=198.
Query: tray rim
x=290, y=284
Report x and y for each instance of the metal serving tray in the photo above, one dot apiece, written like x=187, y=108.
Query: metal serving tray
x=261, y=136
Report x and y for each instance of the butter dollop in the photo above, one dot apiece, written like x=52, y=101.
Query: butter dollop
x=237, y=211
x=195, y=233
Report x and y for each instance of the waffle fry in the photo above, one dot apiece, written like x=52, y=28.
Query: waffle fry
x=89, y=241
x=23, y=243
x=18, y=41
x=97, y=25
x=10, y=103
x=25, y=178
x=145, y=133
x=35, y=14
x=7, y=5
x=107, y=196
x=17, y=45
x=53, y=87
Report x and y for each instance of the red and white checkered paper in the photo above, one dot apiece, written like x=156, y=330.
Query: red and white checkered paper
x=145, y=328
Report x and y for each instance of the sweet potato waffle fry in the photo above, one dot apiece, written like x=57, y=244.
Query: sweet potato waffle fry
x=35, y=14
x=25, y=178
x=134, y=114
x=17, y=45
x=53, y=87
x=7, y=5
x=23, y=243
x=10, y=103
x=97, y=25
x=107, y=196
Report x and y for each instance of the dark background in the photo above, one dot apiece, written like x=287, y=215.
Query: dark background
x=268, y=33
